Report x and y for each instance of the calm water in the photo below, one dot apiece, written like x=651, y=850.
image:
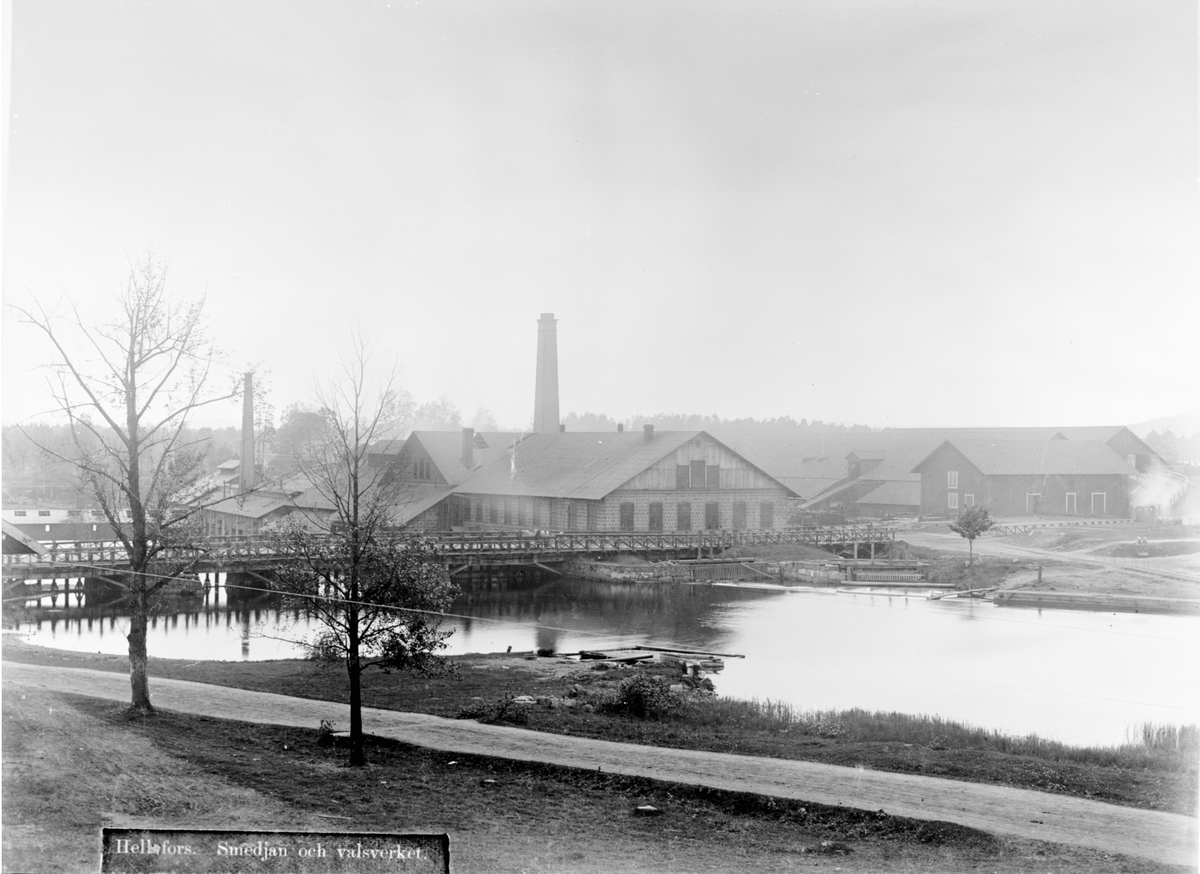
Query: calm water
x=1080, y=677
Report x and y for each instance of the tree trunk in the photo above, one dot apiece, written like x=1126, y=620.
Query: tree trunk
x=138, y=678
x=358, y=751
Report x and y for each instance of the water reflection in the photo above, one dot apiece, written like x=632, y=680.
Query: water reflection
x=1081, y=677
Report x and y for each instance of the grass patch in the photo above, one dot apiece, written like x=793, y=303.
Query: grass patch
x=502, y=815
x=1150, y=746
x=1156, y=768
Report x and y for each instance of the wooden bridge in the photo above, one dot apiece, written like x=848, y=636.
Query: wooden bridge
x=458, y=550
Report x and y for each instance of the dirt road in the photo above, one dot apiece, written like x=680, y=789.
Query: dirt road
x=1160, y=836
x=1179, y=568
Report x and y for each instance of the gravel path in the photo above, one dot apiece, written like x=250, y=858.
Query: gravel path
x=1001, y=810
x=1169, y=567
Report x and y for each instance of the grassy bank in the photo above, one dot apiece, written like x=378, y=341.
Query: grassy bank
x=73, y=765
x=1156, y=771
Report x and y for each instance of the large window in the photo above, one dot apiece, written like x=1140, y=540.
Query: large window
x=952, y=479
x=683, y=517
x=952, y=500
x=712, y=515
x=714, y=476
x=766, y=515
x=739, y=514
x=697, y=481
x=656, y=516
x=626, y=516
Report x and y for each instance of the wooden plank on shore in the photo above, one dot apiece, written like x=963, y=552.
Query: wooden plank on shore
x=694, y=652
x=614, y=655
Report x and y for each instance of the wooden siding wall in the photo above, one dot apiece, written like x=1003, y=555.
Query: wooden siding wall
x=735, y=472
x=1005, y=494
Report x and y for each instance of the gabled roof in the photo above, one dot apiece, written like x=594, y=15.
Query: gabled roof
x=1037, y=457
x=251, y=506
x=807, y=487
x=900, y=493
x=445, y=450
x=582, y=465
x=415, y=501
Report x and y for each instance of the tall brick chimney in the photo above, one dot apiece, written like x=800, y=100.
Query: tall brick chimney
x=246, y=468
x=545, y=399
x=468, y=454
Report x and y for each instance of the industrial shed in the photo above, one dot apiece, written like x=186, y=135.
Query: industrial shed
x=611, y=481
x=871, y=474
x=1057, y=477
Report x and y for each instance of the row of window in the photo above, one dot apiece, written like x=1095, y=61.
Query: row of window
x=1033, y=499
x=697, y=475
x=712, y=516
x=23, y=513
x=535, y=513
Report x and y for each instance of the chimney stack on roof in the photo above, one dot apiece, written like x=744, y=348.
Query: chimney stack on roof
x=545, y=400
x=648, y=430
x=468, y=454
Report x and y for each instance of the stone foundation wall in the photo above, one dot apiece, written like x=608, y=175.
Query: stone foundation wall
x=623, y=573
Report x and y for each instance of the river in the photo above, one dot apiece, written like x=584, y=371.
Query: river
x=1080, y=677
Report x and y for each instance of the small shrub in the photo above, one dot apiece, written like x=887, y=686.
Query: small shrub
x=500, y=710
x=643, y=696
x=325, y=732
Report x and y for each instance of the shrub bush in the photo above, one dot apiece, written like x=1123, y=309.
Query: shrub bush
x=643, y=696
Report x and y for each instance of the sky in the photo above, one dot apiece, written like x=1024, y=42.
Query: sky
x=918, y=214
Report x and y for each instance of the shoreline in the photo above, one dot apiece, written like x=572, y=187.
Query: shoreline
x=1128, y=774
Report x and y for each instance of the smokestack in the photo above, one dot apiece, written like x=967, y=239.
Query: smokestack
x=468, y=456
x=246, y=468
x=648, y=430
x=545, y=401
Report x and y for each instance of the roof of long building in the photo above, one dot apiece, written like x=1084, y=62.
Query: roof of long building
x=1038, y=457
x=581, y=465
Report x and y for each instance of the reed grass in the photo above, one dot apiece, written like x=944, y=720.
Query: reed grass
x=1147, y=745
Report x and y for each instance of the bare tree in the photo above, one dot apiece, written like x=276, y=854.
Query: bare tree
x=128, y=388
x=374, y=591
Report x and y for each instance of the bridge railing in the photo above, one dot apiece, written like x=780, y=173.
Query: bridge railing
x=108, y=554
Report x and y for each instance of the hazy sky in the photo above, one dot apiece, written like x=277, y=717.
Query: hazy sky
x=930, y=213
